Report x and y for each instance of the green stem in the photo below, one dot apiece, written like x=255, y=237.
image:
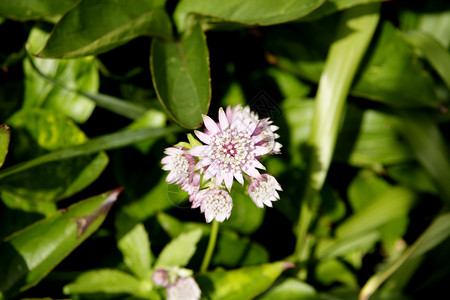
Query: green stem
x=354, y=33
x=211, y=246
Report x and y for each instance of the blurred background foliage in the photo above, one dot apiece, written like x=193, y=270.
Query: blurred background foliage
x=91, y=92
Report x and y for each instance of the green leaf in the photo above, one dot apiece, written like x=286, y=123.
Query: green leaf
x=246, y=217
x=433, y=52
x=135, y=248
x=38, y=132
x=179, y=251
x=107, y=281
x=386, y=207
x=244, y=283
x=332, y=6
x=249, y=13
x=435, y=234
x=332, y=270
x=102, y=143
x=25, y=10
x=151, y=119
x=4, y=142
x=288, y=289
x=413, y=176
x=94, y=27
x=28, y=255
x=180, y=74
x=428, y=145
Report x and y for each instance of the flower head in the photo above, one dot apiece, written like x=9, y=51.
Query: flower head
x=160, y=277
x=180, y=164
x=184, y=288
x=231, y=148
x=215, y=203
x=264, y=190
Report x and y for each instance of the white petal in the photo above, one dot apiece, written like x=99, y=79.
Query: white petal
x=206, y=161
x=239, y=178
x=211, y=171
x=205, y=138
x=210, y=124
x=251, y=171
x=223, y=119
x=259, y=150
x=228, y=178
x=258, y=164
x=200, y=150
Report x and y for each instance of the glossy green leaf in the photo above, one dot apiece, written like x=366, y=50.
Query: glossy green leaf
x=81, y=74
x=27, y=256
x=248, y=13
x=107, y=281
x=433, y=52
x=333, y=271
x=180, y=73
x=240, y=283
x=101, y=143
x=24, y=10
x=95, y=26
x=398, y=81
x=436, y=233
x=179, y=251
x=43, y=131
x=4, y=142
x=290, y=288
x=135, y=248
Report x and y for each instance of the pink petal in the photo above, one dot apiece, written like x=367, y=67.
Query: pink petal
x=258, y=150
x=200, y=150
x=258, y=165
x=219, y=177
x=203, y=137
x=223, y=119
x=210, y=124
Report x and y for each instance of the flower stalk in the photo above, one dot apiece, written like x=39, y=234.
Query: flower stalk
x=211, y=246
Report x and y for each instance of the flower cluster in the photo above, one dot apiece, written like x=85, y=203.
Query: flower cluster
x=232, y=149
x=178, y=282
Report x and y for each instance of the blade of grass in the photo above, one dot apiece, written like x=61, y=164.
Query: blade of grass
x=105, y=142
x=436, y=233
x=354, y=34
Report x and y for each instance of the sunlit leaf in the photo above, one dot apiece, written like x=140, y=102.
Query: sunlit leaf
x=248, y=13
x=135, y=248
x=180, y=73
x=107, y=281
x=240, y=283
x=179, y=251
x=27, y=256
x=4, y=142
x=24, y=10
x=332, y=6
x=290, y=288
x=96, y=26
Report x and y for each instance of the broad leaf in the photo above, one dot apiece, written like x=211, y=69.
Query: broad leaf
x=4, y=142
x=244, y=283
x=38, y=132
x=107, y=281
x=290, y=288
x=248, y=13
x=24, y=10
x=135, y=248
x=27, y=256
x=180, y=73
x=332, y=6
x=179, y=251
x=97, y=26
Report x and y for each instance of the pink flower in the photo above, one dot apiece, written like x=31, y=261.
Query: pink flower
x=215, y=203
x=231, y=148
x=264, y=190
x=160, y=277
x=180, y=164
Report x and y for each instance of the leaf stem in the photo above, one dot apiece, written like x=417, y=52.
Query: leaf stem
x=211, y=246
